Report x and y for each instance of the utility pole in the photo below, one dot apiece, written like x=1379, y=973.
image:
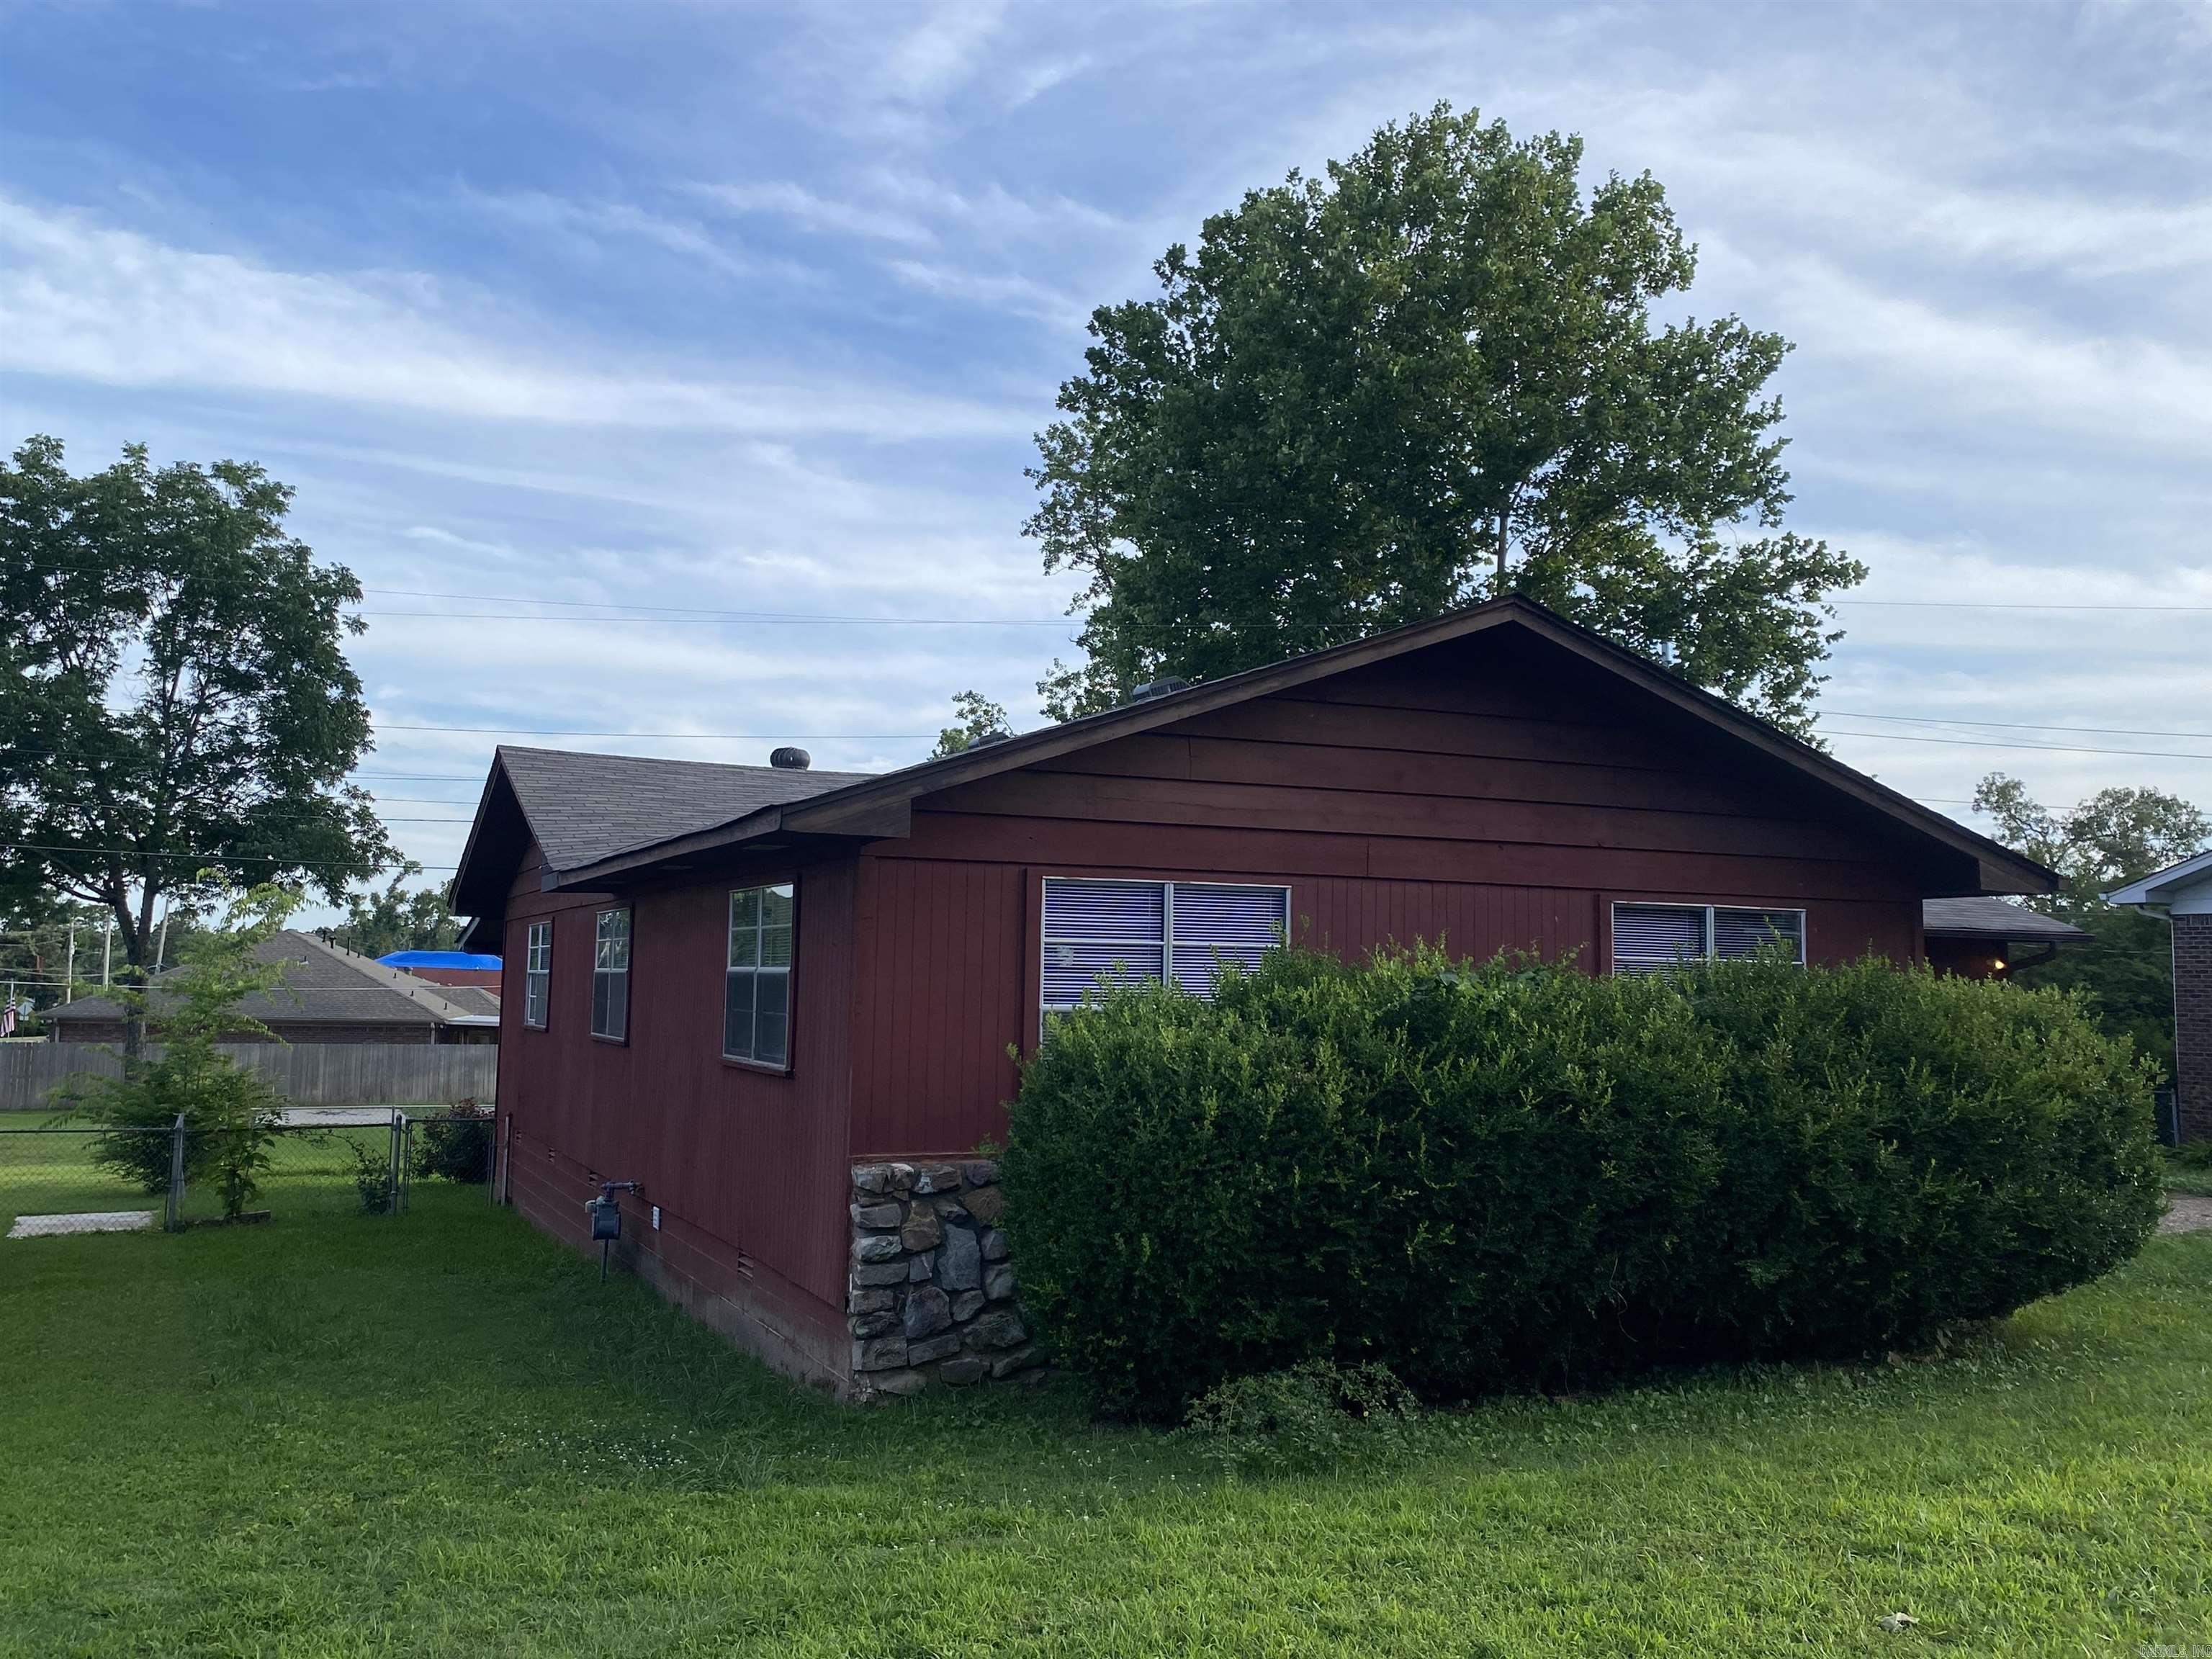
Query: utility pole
x=106, y=952
x=69, y=973
x=162, y=949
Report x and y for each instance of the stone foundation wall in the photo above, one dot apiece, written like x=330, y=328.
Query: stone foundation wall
x=930, y=1298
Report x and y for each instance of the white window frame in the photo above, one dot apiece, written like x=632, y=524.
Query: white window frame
x=606, y=945
x=756, y=970
x=1713, y=912
x=537, y=975
x=1045, y=942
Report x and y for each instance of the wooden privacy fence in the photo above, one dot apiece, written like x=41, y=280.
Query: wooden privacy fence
x=305, y=1073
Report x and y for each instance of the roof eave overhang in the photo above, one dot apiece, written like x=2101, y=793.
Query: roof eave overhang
x=826, y=819
x=2008, y=936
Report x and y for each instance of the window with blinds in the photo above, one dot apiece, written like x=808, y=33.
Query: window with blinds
x=1740, y=934
x=1099, y=931
x=1647, y=938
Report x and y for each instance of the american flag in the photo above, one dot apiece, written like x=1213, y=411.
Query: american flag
x=8, y=1015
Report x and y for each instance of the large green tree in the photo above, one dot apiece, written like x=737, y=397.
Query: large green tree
x=396, y=918
x=1431, y=378
x=975, y=718
x=2101, y=842
x=177, y=713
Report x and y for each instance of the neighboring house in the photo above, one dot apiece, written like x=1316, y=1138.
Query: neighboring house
x=448, y=967
x=2183, y=895
x=749, y=988
x=330, y=994
x=1989, y=938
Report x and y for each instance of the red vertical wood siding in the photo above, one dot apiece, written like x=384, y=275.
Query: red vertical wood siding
x=748, y=1159
x=1492, y=799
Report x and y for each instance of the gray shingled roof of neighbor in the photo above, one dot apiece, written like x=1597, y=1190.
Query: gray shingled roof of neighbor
x=470, y=998
x=325, y=984
x=584, y=807
x=1993, y=917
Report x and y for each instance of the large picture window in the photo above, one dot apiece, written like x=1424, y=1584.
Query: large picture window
x=1650, y=936
x=1101, y=930
x=537, y=973
x=610, y=976
x=756, y=984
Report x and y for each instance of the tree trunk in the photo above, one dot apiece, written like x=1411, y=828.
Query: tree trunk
x=134, y=970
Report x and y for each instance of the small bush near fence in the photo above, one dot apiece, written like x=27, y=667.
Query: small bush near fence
x=1509, y=1174
x=455, y=1144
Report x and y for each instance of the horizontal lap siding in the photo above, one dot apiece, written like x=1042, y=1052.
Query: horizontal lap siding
x=753, y=1160
x=1398, y=805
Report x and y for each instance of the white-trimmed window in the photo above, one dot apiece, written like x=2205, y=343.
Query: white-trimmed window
x=1648, y=937
x=610, y=976
x=757, y=983
x=1103, y=930
x=537, y=974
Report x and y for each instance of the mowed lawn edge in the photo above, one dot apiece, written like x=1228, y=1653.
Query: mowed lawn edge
x=439, y=1434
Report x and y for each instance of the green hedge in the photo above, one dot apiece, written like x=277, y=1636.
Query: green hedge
x=1509, y=1174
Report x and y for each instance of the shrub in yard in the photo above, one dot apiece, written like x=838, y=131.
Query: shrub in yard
x=1485, y=1175
x=456, y=1144
x=1302, y=1418
x=229, y=1110
x=372, y=1177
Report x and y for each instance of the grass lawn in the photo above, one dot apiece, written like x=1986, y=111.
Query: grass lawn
x=2189, y=1171
x=441, y=1435
x=50, y=1172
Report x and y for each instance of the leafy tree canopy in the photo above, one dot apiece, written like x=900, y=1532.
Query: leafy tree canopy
x=1432, y=378
x=2112, y=837
x=395, y=919
x=177, y=713
x=2103, y=841
x=976, y=717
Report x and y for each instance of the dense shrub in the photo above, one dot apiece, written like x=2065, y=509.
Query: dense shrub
x=1303, y=1418
x=456, y=1144
x=1511, y=1173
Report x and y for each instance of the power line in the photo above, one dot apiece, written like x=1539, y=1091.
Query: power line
x=2005, y=605
x=694, y=613
x=227, y=858
x=2045, y=748
x=710, y=737
x=2019, y=725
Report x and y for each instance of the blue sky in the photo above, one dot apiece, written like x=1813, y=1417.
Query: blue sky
x=756, y=309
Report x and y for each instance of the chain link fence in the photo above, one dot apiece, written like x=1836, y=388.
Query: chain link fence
x=63, y=1179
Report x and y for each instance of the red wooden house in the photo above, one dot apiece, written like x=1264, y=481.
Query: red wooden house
x=782, y=1001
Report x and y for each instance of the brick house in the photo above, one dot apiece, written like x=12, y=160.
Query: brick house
x=2183, y=895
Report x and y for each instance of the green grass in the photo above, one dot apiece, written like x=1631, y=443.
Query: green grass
x=50, y=1172
x=2189, y=1170
x=441, y=1435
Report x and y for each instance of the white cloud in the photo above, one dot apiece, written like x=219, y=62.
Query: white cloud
x=89, y=303
x=813, y=212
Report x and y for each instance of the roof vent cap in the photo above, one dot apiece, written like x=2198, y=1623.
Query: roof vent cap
x=790, y=760
x=984, y=737
x=1159, y=688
